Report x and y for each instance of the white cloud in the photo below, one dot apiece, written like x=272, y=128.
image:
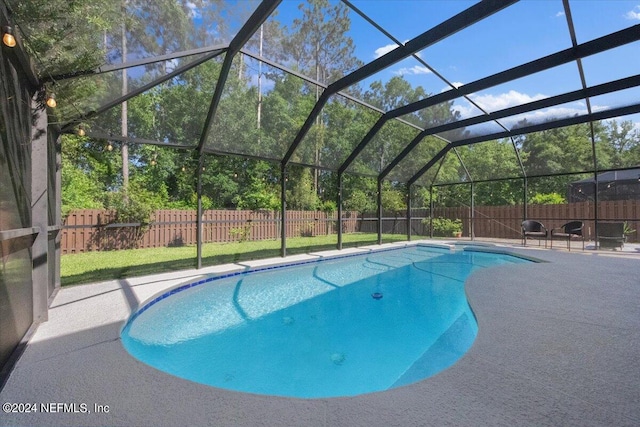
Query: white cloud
x=193, y=10
x=172, y=64
x=559, y=14
x=384, y=50
x=504, y=100
x=454, y=84
x=512, y=98
x=541, y=116
x=633, y=14
x=416, y=69
x=466, y=110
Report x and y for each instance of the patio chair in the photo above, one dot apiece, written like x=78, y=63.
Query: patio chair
x=567, y=231
x=534, y=229
x=610, y=235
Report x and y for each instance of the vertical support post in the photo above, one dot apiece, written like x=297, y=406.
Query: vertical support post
x=525, y=190
x=57, y=211
x=473, y=208
x=124, y=113
x=39, y=210
x=431, y=212
x=595, y=182
x=409, y=212
x=283, y=210
x=524, y=179
x=379, y=211
x=339, y=211
x=595, y=208
x=199, y=213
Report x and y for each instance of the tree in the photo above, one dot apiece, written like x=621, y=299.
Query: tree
x=394, y=198
x=285, y=108
x=624, y=141
x=301, y=195
x=392, y=138
x=319, y=46
x=556, y=151
x=79, y=191
x=318, y=42
x=359, y=194
x=48, y=25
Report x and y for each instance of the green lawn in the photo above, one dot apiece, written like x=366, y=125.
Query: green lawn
x=99, y=266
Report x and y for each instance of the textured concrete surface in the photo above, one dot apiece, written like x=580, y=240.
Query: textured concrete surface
x=558, y=344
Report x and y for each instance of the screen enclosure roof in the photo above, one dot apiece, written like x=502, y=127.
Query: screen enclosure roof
x=387, y=89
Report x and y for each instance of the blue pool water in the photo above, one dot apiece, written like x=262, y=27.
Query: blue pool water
x=331, y=328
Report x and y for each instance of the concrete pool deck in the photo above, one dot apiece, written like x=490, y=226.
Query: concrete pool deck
x=558, y=344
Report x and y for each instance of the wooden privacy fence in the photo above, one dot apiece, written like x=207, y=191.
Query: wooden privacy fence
x=503, y=222
x=94, y=229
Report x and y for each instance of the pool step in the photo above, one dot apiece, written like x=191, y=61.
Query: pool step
x=451, y=345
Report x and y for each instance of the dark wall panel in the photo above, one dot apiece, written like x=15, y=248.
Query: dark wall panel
x=16, y=294
x=16, y=287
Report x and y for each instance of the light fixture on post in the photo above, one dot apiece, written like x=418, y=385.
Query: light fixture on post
x=81, y=131
x=8, y=38
x=51, y=100
x=109, y=146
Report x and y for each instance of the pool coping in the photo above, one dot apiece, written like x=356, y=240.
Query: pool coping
x=557, y=344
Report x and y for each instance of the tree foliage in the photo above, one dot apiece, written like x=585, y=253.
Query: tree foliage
x=262, y=109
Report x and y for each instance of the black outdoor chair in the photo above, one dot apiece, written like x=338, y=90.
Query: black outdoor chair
x=567, y=231
x=534, y=229
x=610, y=235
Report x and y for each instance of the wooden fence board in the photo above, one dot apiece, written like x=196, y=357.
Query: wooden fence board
x=85, y=230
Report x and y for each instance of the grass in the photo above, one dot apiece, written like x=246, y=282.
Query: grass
x=108, y=265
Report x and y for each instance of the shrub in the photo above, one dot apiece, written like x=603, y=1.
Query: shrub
x=445, y=227
x=241, y=233
x=547, y=199
x=307, y=229
x=328, y=206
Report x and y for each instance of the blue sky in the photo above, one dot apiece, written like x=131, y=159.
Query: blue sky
x=520, y=33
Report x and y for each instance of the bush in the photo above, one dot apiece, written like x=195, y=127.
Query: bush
x=307, y=229
x=241, y=234
x=135, y=205
x=445, y=227
x=79, y=191
x=547, y=199
x=328, y=206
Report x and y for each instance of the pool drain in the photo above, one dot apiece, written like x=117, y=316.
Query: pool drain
x=376, y=295
x=288, y=320
x=338, y=358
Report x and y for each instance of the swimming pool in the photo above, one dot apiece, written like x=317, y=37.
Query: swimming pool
x=336, y=327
